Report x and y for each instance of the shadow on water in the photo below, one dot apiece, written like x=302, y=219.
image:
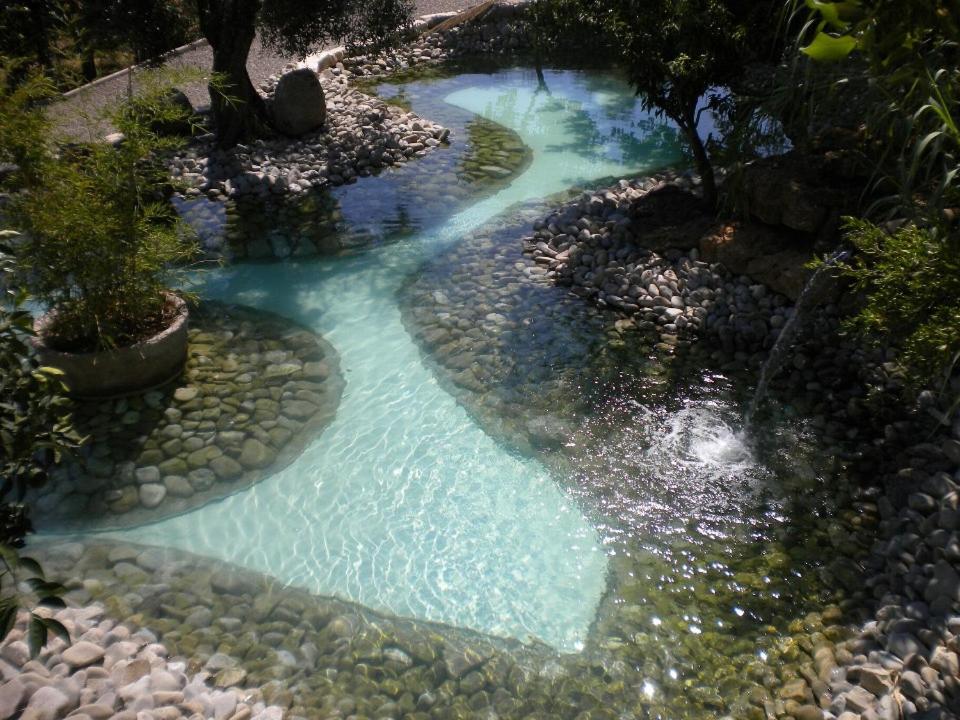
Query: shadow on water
x=715, y=535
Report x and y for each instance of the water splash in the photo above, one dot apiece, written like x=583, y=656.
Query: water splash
x=809, y=297
x=704, y=439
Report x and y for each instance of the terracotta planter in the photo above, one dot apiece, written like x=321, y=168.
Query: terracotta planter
x=121, y=371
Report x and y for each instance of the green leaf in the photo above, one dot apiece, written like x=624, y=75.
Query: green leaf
x=58, y=629
x=52, y=601
x=32, y=566
x=837, y=14
x=827, y=10
x=43, y=588
x=827, y=48
x=8, y=618
x=36, y=635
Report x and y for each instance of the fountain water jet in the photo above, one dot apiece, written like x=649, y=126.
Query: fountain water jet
x=808, y=298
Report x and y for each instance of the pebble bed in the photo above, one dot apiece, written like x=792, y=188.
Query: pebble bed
x=875, y=551
x=361, y=136
x=254, y=390
x=319, y=222
x=112, y=670
x=904, y=661
x=316, y=657
x=633, y=248
x=880, y=637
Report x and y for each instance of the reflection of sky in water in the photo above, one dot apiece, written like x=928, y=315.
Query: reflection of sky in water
x=603, y=119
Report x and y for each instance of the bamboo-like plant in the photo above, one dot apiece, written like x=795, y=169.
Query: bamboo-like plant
x=100, y=238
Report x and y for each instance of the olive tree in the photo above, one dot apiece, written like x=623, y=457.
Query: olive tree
x=677, y=52
x=292, y=27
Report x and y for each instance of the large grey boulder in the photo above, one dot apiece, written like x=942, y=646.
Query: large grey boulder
x=298, y=103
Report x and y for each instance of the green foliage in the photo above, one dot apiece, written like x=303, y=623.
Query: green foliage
x=67, y=39
x=146, y=28
x=895, y=62
x=906, y=53
x=99, y=237
x=911, y=279
x=296, y=29
x=35, y=414
x=24, y=129
x=13, y=569
x=677, y=53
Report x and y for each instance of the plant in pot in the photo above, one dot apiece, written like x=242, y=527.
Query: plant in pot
x=99, y=244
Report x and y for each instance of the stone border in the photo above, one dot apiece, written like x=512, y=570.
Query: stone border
x=248, y=402
x=313, y=655
x=112, y=670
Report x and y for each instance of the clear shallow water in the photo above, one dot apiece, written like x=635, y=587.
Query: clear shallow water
x=404, y=503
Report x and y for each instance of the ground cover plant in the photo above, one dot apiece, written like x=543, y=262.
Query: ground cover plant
x=906, y=53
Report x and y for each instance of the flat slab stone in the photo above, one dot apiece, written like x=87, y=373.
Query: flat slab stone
x=82, y=653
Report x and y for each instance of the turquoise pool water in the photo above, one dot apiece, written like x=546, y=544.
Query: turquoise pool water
x=404, y=503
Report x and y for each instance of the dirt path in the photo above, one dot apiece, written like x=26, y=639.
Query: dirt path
x=70, y=114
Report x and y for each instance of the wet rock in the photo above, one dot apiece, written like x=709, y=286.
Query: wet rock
x=148, y=474
x=548, y=431
x=459, y=661
x=185, y=394
x=178, y=486
x=151, y=494
x=12, y=696
x=298, y=103
x=230, y=677
x=255, y=454
x=875, y=680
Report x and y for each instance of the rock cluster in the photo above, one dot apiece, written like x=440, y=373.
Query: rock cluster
x=357, y=216
x=362, y=135
x=426, y=50
x=904, y=662
x=112, y=670
x=320, y=657
x=254, y=388
x=619, y=248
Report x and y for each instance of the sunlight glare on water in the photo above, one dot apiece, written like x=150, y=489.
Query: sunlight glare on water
x=404, y=503
x=704, y=438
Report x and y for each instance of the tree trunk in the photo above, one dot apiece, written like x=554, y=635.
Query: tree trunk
x=688, y=125
x=541, y=78
x=238, y=109
x=39, y=16
x=88, y=65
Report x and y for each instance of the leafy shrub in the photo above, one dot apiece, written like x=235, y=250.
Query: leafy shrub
x=911, y=278
x=35, y=414
x=905, y=53
x=895, y=62
x=99, y=237
x=24, y=129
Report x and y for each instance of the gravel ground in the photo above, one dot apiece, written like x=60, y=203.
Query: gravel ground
x=72, y=114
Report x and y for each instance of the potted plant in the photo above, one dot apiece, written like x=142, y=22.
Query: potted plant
x=99, y=242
